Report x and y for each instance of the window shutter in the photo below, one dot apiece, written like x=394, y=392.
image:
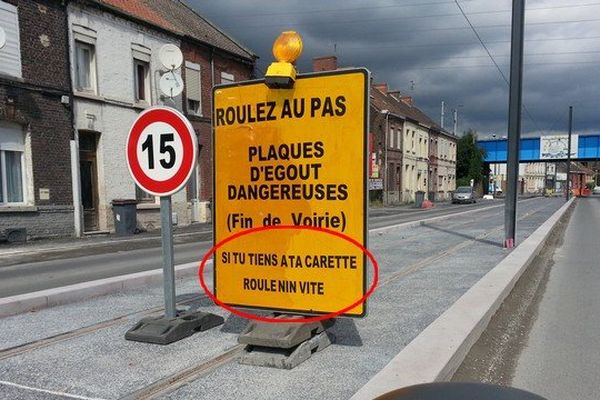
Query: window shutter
x=10, y=54
x=192, y=77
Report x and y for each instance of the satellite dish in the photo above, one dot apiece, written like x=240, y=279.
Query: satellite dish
x=171, y=84
x=2, y=37
x=170, y=56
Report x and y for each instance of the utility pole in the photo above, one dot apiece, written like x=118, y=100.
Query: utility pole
x=442, y=119
x=455, y=121
x=514, y=122
x=385, y=151
x=569, y=152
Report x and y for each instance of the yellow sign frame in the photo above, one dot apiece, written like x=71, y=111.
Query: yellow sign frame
x=342, y=148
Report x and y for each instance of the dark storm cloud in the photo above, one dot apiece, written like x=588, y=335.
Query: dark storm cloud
x=426, y=49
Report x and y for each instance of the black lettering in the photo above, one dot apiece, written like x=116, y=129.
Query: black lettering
x=315, y=104
x=286, y=110
x=270, y=113
x=342, y=192
x=327, y=108
x=241, y=114
x=230, y=115
x=299, y=108
x=220, y=116
x=260, y=112
x=231, y=192
x=340, y=103
x=252, y=151
x=319, y=150
x=250, y=117
x=254, y=174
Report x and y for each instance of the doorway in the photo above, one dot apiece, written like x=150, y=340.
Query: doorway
x=88, y=171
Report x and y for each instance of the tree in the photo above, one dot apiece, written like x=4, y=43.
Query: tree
x=469, y=159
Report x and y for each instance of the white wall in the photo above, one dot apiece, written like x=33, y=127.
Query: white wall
x=111, y=111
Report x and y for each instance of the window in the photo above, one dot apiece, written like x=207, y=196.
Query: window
x=227, y=78
x=141, y=73
x=12, y=163
x=143, y=196
x=85, y=67
x=398, y=138
x=193, y=87
x=391, y=143
x=10, y=54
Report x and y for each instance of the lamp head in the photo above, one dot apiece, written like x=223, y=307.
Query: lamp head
x=286, y=49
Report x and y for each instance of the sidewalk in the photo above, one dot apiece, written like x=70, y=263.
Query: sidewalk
x=78, y=349
x=561, y=359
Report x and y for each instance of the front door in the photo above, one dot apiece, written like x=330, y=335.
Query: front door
x=89, y=180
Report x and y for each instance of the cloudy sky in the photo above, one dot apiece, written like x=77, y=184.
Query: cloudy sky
x=426, y=49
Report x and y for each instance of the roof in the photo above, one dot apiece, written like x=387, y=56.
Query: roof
x=177, y=17
x=383, y=101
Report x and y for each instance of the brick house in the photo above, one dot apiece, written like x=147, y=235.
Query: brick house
x=210, y=57
x=115, y=72
x=408, y=151
x=36, y=124
x=387, y=125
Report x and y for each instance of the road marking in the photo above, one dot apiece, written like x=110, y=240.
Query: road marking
x=45, y=391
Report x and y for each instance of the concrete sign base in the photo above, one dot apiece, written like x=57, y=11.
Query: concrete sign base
x=285, y=358
x=163, y=330
x=283, y=345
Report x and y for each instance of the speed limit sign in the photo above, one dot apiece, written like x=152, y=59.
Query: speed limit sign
x=161, y=151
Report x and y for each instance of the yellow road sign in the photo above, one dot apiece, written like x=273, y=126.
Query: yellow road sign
x=292, y=157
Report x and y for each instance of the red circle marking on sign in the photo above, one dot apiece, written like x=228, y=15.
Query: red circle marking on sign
x=183, y=129
x=316, y=318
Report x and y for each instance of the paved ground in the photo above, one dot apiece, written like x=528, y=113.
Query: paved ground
x=545, y=337
x=423, y=271
x=561, y=359
x=37, y=266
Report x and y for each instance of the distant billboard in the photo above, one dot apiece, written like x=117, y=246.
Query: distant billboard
x=557, y=146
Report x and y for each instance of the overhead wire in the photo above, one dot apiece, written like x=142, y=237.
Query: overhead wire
x=494, y=61
x=351, y=9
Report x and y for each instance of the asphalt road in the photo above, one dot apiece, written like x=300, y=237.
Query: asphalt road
x=33, y=271
x=561, y=358
x=544, y=338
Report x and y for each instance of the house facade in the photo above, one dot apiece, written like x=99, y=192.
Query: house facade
x=414, y=153
x=442, y=164
x=115, y=71
x=36, y=125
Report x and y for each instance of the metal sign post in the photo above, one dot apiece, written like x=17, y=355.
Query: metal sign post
x=161, y=154
x=569, y=153
x=166, y=232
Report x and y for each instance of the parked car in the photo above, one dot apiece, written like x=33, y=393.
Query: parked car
x=596, y=190
x=463, y=194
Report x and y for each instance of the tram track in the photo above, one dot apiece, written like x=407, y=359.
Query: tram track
x=196, y=371
x=192, y=373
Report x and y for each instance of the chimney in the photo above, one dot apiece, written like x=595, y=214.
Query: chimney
x=407, y=100
x=326, y=63
x=395, y=94
x=382, y=87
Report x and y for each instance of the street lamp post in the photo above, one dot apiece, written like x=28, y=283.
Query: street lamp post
x=385, y=151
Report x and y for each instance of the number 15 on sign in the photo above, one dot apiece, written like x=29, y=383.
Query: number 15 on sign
x=161, y=151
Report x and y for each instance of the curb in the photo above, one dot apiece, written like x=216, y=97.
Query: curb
x=81, y=291
x=436, y=353
x=75, y=245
